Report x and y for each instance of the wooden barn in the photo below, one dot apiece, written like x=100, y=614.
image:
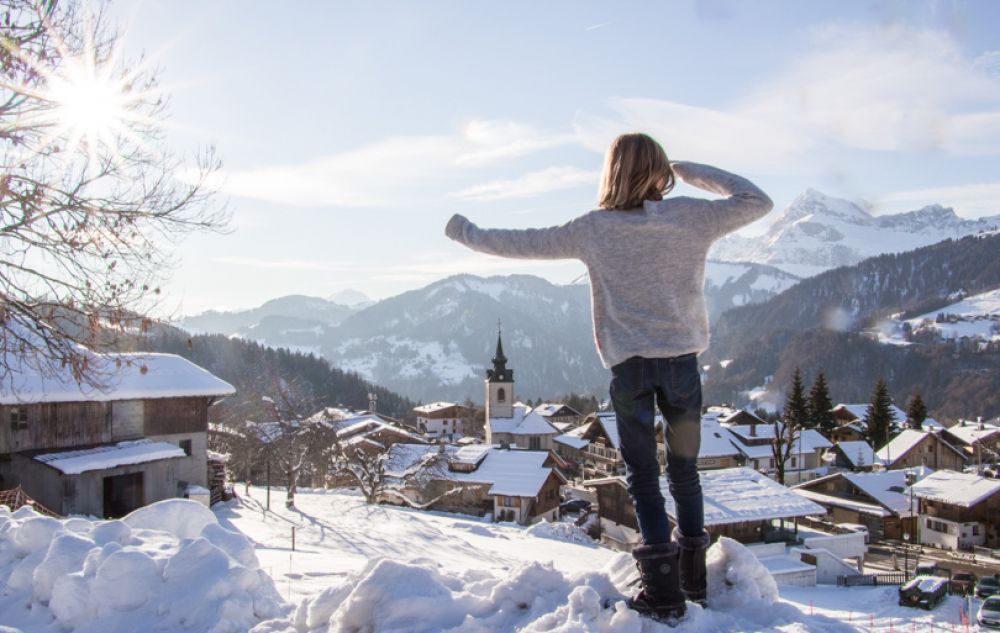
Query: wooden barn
x=105, y=452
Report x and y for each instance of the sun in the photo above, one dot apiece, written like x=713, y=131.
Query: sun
x=90, y=108
x=88, y=105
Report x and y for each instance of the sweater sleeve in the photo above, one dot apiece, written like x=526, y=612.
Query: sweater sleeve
x=556, y=242
x=743, y=203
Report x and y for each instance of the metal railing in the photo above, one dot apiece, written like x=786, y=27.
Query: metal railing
x=868, y=580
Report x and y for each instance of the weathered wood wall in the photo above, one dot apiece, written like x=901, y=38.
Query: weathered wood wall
x=67, y=424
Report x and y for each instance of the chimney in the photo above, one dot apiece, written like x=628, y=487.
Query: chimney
x=979, y=422
x=753, y=429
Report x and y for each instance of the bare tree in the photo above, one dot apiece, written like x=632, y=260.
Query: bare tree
x=90, y=198
x=362, y=461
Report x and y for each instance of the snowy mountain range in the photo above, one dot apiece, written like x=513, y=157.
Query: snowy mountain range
x=817, y=232
x=435, y=342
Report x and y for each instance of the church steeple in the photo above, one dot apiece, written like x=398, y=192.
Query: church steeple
x=499, y=388
x=499, y=373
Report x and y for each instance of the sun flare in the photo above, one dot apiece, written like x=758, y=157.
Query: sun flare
x=89, y=105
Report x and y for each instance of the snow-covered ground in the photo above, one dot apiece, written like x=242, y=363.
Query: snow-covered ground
x=977, y=316
x=356, y=568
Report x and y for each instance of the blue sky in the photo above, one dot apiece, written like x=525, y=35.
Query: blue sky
x=351, y=131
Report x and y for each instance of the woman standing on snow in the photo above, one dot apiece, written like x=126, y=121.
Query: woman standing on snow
x=646, y=259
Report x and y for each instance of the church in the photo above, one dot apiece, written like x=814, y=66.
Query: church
x=510, y=423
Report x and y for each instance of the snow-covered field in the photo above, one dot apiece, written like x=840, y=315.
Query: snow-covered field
x=356, y=568
x=976, y=317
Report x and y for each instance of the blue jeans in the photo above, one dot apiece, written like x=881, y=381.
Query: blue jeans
x=638, y=386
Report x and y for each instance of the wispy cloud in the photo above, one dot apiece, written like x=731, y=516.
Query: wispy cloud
x=392, y=170
x=886, y=89
x=530, y=184
x=970, y=201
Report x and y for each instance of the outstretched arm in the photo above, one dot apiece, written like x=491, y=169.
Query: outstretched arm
x=556, y=242
x=743, y=203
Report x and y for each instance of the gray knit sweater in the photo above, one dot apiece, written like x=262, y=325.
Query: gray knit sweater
x=647, y=266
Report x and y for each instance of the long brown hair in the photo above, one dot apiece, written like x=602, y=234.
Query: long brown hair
x=633, y=167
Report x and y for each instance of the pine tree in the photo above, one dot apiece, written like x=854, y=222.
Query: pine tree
x=879, y=417
x=820, y=406
x=916, y=411
x=796, y=406
x=789, y=429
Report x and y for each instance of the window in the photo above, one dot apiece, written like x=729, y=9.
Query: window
x=975, y=529
x=534, y=443
x=18, y=418
x=795, y=463
x=501, y=394
x=186, y=445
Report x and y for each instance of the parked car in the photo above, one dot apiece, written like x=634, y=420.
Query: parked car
x=962, y=583
x=855, y=527
x=926, y=569
x=988, y=586
x=923, y=591
x=575, y=505
x=989, y=613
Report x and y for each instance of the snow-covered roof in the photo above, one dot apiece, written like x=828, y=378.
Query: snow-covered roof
x=904, y=443
x=471, y=454
x=809, y=441
x=513, y=473
x=735, y=495
x=74, y=462
x=123, y=376
x=872, y=509
x=971, y=433
x=715, y=440
x=860, y=410
x=573, y=438
x=365, y=425
x=887, y=488
x=859, y=453
x=525, y=421
x=551, y=408
x=954, y=488
x=434, y=406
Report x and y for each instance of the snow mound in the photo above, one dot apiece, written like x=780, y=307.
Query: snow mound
x=566, y=532
x=170, y=564
x=736, y=579
x=419, y=596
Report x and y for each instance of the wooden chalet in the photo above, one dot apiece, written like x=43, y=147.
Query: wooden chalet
x=850, y=425
x=740, y=503
x=602, y=454
x=880, y=501
x=958, y=511
x=105, y=452
x=444, y=420
x=979, y=441
x=911, y=449
x=515, y=485
x=561, y=416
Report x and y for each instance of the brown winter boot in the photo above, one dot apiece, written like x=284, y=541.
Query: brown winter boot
x=692, y=565
x=660, y=595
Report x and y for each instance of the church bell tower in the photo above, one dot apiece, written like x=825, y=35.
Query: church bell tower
x=499, y=388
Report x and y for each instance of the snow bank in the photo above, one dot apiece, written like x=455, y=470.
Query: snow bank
x=565, y=532
x=419, y=596
x=168, y=566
